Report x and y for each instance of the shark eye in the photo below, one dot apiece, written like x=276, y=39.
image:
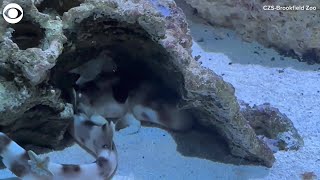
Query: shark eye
x=104, y=146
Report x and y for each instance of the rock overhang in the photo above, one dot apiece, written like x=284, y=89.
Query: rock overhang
x=138, y=34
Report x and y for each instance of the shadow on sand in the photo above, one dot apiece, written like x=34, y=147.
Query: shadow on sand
x=200, y=142
x=205, y=144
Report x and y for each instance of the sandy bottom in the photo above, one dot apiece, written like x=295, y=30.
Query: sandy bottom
x=259, y=75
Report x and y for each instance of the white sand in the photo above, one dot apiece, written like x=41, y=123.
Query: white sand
x=152, y=153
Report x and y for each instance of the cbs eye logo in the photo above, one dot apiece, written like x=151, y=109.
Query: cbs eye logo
x=12, y=13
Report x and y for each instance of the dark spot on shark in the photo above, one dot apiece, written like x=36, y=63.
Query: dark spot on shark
x=104, y=166
x=4, y=142
x=102, y=162
x=88, y=123
x=20, y=167
x=70, y=168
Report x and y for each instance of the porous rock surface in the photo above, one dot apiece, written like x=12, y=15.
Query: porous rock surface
x=272, y=126
x=142, y=36
x=31, y=110
x=292, y=32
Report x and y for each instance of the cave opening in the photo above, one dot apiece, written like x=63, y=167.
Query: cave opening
x=138, y=58
x=27, y=34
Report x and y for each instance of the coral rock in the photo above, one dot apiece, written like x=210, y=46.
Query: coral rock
x=148, y=40
x=273, y=126
x=292, y=32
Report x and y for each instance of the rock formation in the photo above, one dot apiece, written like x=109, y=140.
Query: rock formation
x=147, y=39
x=272, y=126
x=32, y=111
